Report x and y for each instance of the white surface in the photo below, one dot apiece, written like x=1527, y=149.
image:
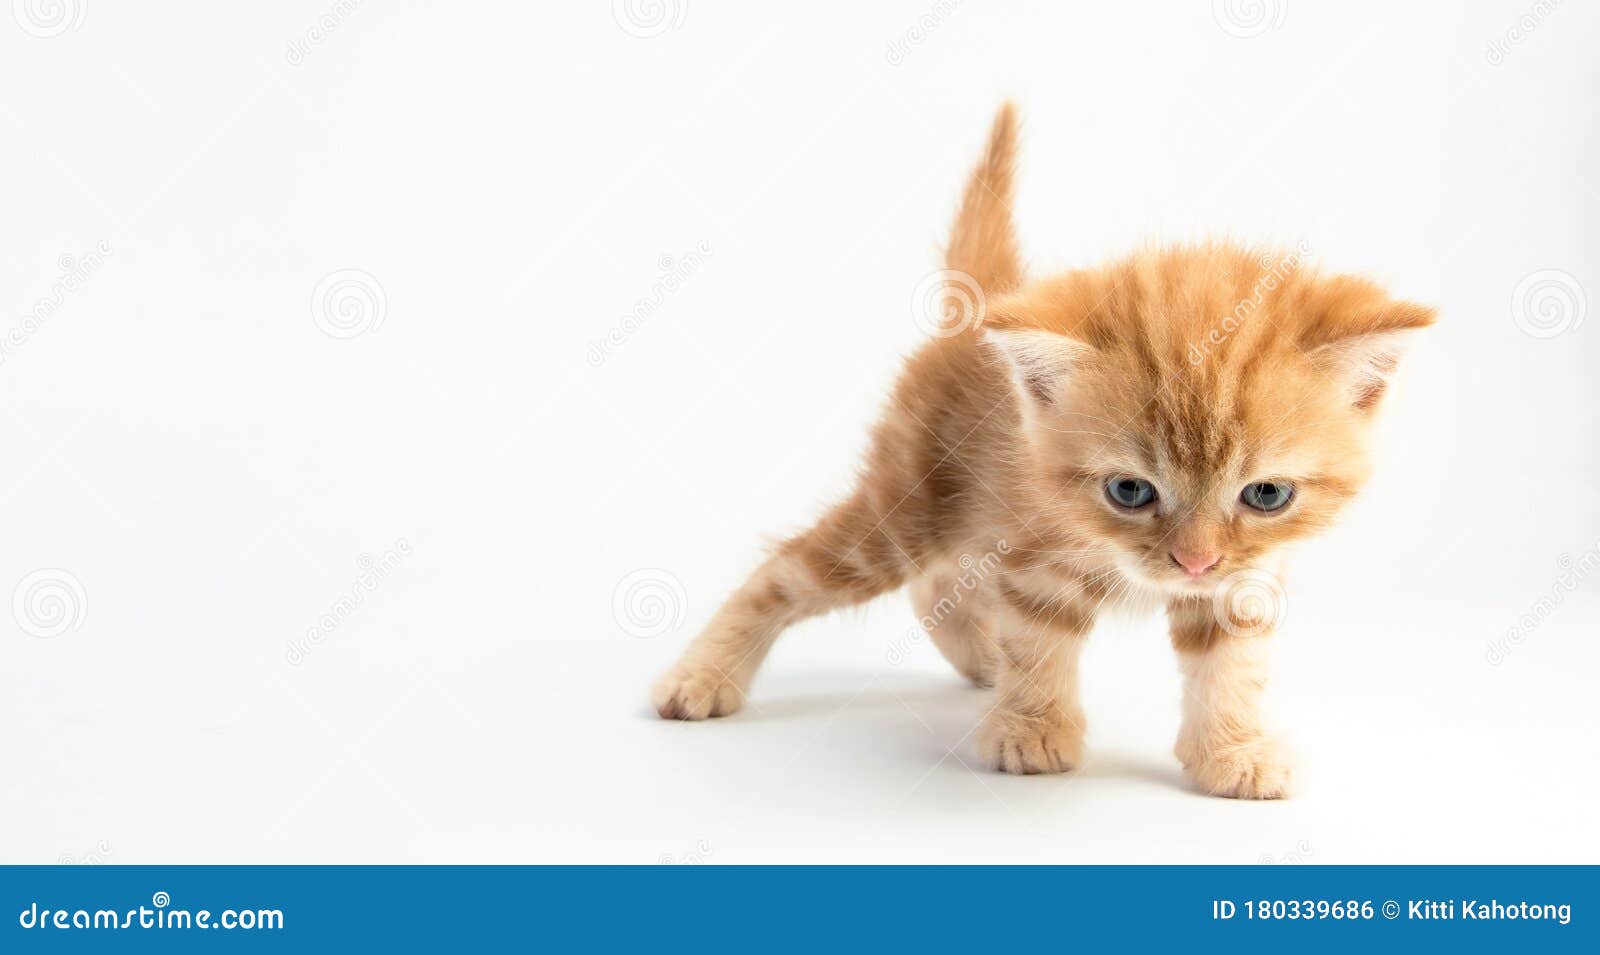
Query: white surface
x=208, y=465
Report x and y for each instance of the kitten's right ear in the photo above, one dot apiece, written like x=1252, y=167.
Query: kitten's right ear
x=1041, y=361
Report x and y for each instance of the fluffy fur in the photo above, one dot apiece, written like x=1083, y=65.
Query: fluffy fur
x=1199, y=369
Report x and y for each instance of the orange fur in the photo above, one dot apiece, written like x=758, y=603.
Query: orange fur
x=1199, y=369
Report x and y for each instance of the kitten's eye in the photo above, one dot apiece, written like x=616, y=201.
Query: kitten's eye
x=1267, y=495
x=1130, y=492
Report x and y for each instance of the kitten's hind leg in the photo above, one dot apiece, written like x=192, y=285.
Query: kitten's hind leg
x=950, y=608
x=850, y=556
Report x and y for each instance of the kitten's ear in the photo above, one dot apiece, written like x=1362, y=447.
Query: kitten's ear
x=1040, y=361
x=1364, y=354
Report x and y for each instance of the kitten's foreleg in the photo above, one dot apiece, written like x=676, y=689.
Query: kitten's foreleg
x=1221, y=743
x=1036, y=724
x=850, y=556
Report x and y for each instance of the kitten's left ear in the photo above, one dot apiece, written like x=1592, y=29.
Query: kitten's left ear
x=1362, y=355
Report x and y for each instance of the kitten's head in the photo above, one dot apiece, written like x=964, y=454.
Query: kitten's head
x=1198, y=408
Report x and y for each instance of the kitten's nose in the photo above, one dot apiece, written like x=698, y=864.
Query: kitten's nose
x=1196, y=563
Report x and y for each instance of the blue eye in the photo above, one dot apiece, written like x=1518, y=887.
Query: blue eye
x=1130, y=492
x=1267, y=495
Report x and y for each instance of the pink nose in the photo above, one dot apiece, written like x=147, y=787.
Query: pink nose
x=1196, y=563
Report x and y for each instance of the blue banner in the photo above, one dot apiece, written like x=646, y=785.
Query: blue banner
x=813, y=909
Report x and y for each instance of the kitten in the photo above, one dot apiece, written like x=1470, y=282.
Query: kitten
x=1157, y=429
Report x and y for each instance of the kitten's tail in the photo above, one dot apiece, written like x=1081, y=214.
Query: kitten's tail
x=983, y=241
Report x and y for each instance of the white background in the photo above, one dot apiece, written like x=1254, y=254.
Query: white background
x=196, y=467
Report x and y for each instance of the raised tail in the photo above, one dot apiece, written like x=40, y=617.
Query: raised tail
x=983, y=241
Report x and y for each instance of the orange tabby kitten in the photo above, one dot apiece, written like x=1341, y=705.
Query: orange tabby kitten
x=1156, y=429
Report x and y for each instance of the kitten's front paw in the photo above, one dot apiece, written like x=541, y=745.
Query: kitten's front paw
x=1014, y=745
x=690, y=692
x=1257, y=768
